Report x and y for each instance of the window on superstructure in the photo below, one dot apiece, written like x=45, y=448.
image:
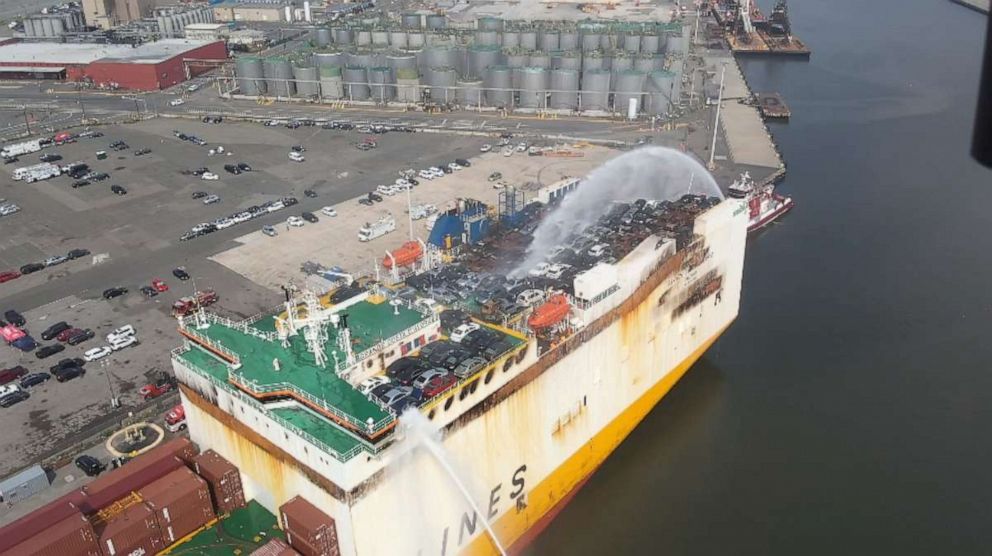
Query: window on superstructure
x=448, y=402
x=489, y=375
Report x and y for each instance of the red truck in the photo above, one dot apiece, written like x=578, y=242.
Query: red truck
x=186, y=305
x=175, y=419
x=150, y=391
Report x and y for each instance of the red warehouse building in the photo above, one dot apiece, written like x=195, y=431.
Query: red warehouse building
x=145, y=67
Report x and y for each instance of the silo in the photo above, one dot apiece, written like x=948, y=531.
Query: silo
x=380, y=38
x=486, y=38
x=278, y=75
x=306, y=81
x=511, y=39
x=362, y=58
x=381, y=84
x=331, y=84
x=410, y=21
x=248, y=70
x=469, y=92
x=609, y=40
x=590, y=42
x=441, y=56
x=593, y=61
x=398, y=39
x=328, y=59
x=442, y=81
x=539, y=60
x=481, y=57
x=564, y=89
x=620, y=61
x=436, y=21
x=629, y=84
x=516, y=57
x=647, y=62
x=533, y=87
x=363, y=37
x=649, y=43
x=567, y=60
x=323, y=36
x=400, y=60
x=659, y=91
x=568, y=40
x=528, y=40
x=407, y=85
x=499, y=84
x=548, y=40
x=356, y=83
x=595, y=89
x=489, y=23
x=632, y=43
x=343, y=36
x=415, y=39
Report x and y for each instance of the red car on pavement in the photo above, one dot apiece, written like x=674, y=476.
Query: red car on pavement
x=439, y=384
x=9, y=275
x=67, y=333
x=160, y=285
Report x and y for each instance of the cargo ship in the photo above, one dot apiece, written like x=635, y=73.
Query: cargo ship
x=446, y=407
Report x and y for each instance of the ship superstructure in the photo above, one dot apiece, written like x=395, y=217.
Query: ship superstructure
x=536, y=379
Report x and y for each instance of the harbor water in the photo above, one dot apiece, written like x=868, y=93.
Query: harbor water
x=847, y=410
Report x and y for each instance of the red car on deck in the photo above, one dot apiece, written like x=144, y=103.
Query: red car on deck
x=439, y=384
x=68, y=333
x=9, y=275
x=160, y=285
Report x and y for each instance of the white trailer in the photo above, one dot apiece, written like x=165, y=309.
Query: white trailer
x=379, y=228
x=18, y=149
x=37, y=172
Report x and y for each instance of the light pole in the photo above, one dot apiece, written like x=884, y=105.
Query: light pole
x=114, y=402
x=716, y=122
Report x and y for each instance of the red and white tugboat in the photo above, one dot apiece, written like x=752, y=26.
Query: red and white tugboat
x=763, y=203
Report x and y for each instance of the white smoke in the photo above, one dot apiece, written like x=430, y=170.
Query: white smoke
x=657, y=173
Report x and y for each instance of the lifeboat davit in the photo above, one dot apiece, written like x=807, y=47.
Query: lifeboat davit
x=407, y=254
x=550, y=313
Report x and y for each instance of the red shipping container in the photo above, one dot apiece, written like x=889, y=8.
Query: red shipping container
x=309, y=530
x=137, y=473
x=275, y=547
x=133, y=531
x=72, y=536
x=181, y=501
x=37, y=521
x=224, y=481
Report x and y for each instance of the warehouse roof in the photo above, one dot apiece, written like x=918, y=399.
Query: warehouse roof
x=84, y=53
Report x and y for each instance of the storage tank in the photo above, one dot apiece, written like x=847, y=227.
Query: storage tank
x=363, y=37
x=442, y=81
x=674, y=45
x=415, y=39
x=549, y=40
x=469, y=92
x=356, y=83
x=489, y=23
x=481, y=57
x=647, y=62
x=398, y=39
x=629, y=84
x=511, y=39
x=343, y=36
x=380, y=38
x=533, y=87
x=381, y=84
x=568, y=40
x=595, y=89
x=441, y=56
x=499, y=84
x=568, y=59
x=590, y=42
x=306, y=81
x=323, y=36
x=620, y=61
x=410, y=21
x=676, y=69
x=328, y=59
x=649, y=43
x=528, y=40
x=331, y=83
x=407, y=85
x=516, y=58
x=362, y=58
x=659, y=91
x=436, y=21
x=400, y=60
x=539, y=60
x=593, y=60
x=278, y=76
x=565, y=89
x=609, y=41
x=250, y=75
x=487, y=38
x=632, y=43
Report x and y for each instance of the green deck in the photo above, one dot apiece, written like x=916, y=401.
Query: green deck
x=242, y=532
x=318, y=427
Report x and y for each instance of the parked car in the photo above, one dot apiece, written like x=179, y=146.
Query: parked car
x=34, y=379
x=49, y=350
x=294, y=221
x=9, y=275
x=210, y=176
x=97, y=353
x=66, y=363
x=69, y=373
x=80, y=337
x=310, y=193
x=269, y=231
x=55, y=260
x=86, y=463
x=232, y=168
x=309, y=217
x=12, y=374
x=15, y=318
x=148, y=291
x=14, y=397
x=31, y=267
x=328, y=211
x=371, y=383
x=160, y=285
x=181, y=274
x=77, y=253
x=244, y=167
x=142, y=152
x=118, y=190
x=111, y=293
x=211, y=199
x=199, y=194
x=50, y=157
x=54, y=330
x=68, y=333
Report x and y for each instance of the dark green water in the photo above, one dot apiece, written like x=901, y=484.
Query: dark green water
x=848, y=409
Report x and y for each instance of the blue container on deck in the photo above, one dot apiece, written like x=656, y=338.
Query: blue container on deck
x=466, y=223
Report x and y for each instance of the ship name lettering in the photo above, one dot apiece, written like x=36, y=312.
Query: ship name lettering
x=470, y=520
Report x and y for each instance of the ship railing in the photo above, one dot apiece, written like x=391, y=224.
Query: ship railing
x=383, y=344
x=242, y=326
x=234, y=358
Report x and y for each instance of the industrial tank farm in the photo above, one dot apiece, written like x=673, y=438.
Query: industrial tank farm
x=593, y=68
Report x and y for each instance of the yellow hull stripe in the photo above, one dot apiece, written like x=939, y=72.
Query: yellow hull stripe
x=513, y=524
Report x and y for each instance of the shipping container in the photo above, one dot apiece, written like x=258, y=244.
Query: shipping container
x=223, y=479
x=133, y=531
x=309, y=530
x=72, y=536
x=140, y=471
x=23, y=485
x=181, y=501
x=40, y=519
x=275, y=547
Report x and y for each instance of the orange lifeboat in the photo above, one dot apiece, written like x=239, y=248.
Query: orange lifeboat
x=407, y=254
x=550, y=313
